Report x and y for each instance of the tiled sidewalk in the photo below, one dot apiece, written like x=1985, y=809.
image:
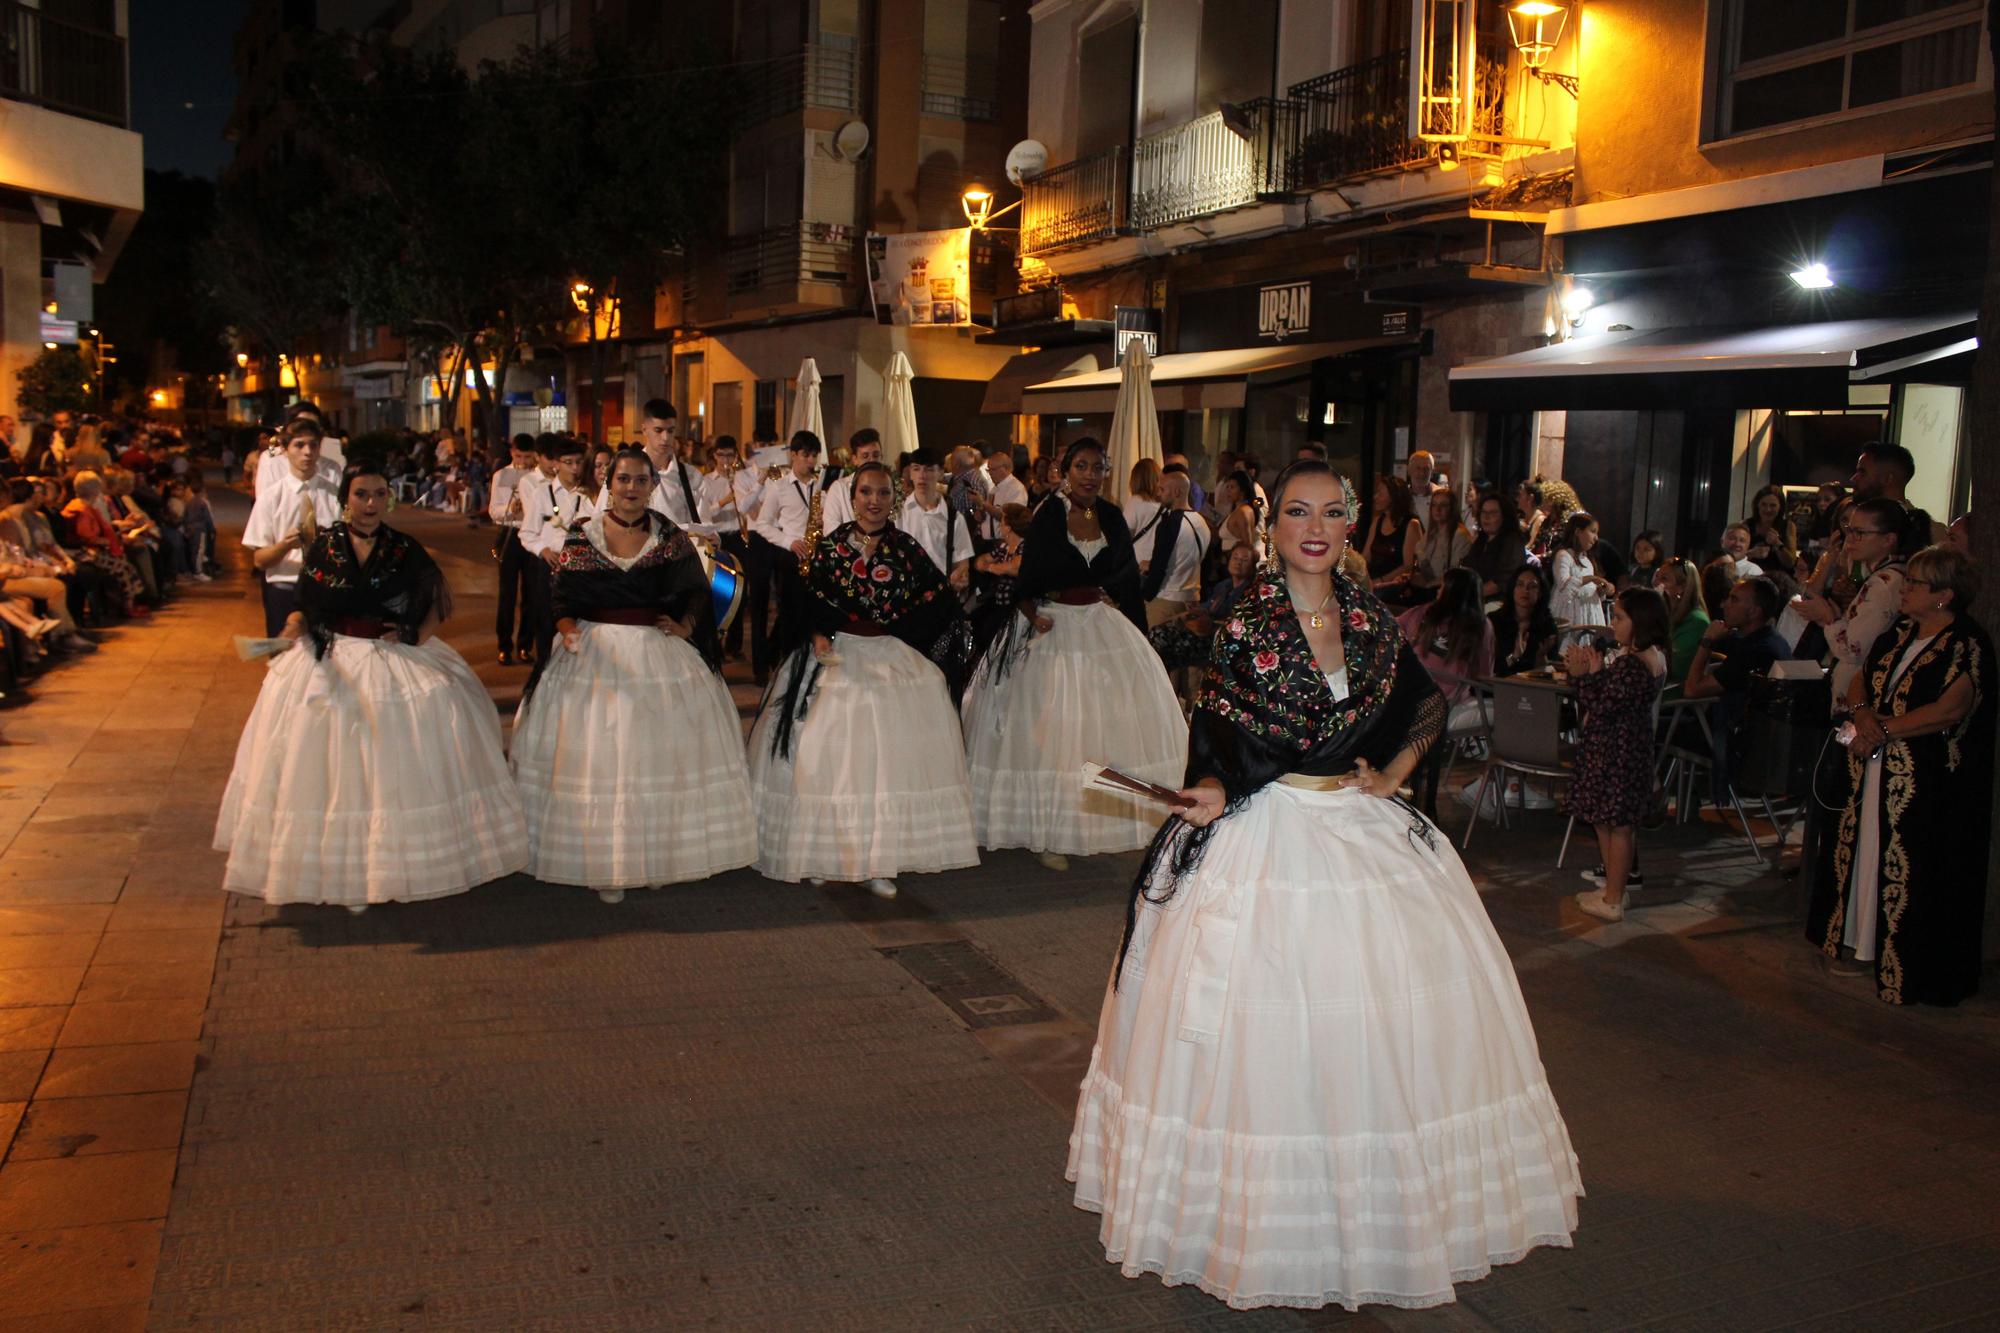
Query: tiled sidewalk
x=109, y=920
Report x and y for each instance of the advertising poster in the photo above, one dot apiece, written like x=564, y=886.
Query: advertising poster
x=922, y=277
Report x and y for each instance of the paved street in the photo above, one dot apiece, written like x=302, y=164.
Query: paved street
x=746, y=1105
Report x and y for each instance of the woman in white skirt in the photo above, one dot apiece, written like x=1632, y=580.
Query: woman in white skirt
x=1072, y=679
x=370, y=770
x=627, y=749
x=856, y=761
x=1315, y=1081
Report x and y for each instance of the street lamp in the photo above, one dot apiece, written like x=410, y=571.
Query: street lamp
x=1814, y=277
x=579, y=296
x=978, y=204
x=1537, y=27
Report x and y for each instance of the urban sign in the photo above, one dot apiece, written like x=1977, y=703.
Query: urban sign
x=1135, y=321
x=1284, y=309
x=1322, y=308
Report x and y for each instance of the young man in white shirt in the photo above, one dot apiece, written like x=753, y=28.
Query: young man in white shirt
x=729, y=493
x=291, y=509
x=505, y=504
x=938, y=528
x=1007, y=490
x=552, y=509
x=778, y=537
x=864, y=446
x=675, y=483
x=332, y=456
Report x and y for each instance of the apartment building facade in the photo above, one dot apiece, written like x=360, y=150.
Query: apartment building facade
x=72, y=182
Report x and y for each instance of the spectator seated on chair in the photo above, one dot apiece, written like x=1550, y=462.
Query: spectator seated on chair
x=1732, y=650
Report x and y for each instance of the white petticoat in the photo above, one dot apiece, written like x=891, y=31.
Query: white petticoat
x=1316, y=1081
x=371, y=775
x=1092, y=688
x=629, y=756
x=876, y=784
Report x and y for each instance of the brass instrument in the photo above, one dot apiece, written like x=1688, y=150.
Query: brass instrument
x=815, y=517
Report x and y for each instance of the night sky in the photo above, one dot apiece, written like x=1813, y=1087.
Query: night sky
x=180, y=55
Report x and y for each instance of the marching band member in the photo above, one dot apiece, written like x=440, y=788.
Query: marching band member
x=505, y=504
x=778, y=537
x=1315, y=1081
x=370, y=769
x=554, y=507
x=856, y=761
x=293, y=505
x=864, y=446
x=674, y=486
x=628, y=750
x=938, y=528
x=1085, y=685
x=729, y=492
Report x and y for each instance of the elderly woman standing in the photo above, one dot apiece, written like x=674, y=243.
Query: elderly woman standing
x=1904, y=894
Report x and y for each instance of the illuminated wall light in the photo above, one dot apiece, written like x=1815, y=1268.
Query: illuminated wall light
x=1813, y=277
x=1577, y=300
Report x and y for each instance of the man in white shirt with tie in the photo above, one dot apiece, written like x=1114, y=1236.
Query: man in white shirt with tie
x=551, y=509
x=292, y=508
x=505, y=504
x=675, y=484
x=729, y=493
x=864, y=446
x=779, y=533
x=938, y=528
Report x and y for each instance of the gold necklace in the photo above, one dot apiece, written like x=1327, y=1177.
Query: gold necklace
x=1313, y=617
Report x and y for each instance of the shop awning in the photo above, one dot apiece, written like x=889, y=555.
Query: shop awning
x=1786, y=365
x=1003, y=391
x=1190, y=381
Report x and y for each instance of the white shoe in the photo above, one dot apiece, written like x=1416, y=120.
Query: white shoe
x=1593, y=904
x=1053, y=860
x=882, y=888
x=816, y=881
x=611, y=895
x=357, y=908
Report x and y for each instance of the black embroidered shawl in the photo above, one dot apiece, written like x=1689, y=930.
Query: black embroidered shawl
x=666, y=578
x=1050, y=562
x=399, y=583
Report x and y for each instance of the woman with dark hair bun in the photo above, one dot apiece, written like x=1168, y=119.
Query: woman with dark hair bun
x=1314, y=1081
x=627, y=748
x=1072, y=679
x=370, y=770
x=856, y=761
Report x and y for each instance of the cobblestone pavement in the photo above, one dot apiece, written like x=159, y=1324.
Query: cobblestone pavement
x=745, y=1105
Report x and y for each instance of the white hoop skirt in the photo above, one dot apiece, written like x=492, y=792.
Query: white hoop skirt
x=1316, y=1082
x=629, y=756
x=876, y=784
x=1092, y=688
x=372, y=775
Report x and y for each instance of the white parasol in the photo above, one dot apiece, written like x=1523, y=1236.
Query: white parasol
x=899, y=412
x=805, y=404
x=1135, y=421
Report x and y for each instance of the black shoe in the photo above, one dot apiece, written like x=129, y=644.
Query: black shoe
x=1633, y=881
x=506, y=658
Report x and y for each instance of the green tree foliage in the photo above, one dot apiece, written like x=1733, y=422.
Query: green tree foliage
x=59, y=380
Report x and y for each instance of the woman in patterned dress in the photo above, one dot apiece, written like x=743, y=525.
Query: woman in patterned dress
x=1613, y=789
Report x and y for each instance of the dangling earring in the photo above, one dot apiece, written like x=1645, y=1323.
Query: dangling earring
x=1271, y=560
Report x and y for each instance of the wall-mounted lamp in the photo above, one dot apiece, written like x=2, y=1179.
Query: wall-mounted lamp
x=1576, y=300
x=1537, y=27
x=1813, y=277
x=977, y=201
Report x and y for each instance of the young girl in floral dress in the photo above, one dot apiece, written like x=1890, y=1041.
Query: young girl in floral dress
x=1614, y=756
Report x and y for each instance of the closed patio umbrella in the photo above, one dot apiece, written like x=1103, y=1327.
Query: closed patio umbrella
x=1135, y=422
x=899, y=412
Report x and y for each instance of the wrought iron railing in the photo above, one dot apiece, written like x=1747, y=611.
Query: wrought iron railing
x=1074, y=204
x=1224, y=160
x=67, y=66
x=959, y=88
x=792, y=255
x=814, y=75
x=1357, y=120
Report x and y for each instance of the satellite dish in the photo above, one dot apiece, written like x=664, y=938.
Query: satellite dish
x=1030, y=157
x=852, y=141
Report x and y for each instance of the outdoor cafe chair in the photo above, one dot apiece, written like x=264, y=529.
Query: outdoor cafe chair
x=1526, y=740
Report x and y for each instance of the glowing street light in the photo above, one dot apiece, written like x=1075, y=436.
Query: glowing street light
x=977, y=201
x=1537, y=28
x=1813, y=277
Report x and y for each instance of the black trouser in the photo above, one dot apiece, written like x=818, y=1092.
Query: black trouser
x=793, y=600
x=513, y=631
x=738, y=546
x=540, y=619
x=280, y=600
x=766, y=562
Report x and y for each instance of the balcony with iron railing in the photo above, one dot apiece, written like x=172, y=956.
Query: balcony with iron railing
x=67, y=58
x=773, y=266
x=815, y=75
x=959, y=88
x=1348, y=123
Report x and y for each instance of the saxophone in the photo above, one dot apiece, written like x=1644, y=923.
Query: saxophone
x=814, y=519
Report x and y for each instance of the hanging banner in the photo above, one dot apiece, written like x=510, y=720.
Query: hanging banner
x=922, y=277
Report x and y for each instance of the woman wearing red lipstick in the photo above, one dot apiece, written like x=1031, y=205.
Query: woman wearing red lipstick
x=1073, y=678
x=1315, y=1081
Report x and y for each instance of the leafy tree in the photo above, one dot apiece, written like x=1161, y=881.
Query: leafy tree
x=61, y=379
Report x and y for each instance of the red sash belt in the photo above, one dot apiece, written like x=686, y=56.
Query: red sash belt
x=361, y=627
x=863, y=629
x=1085, y=596
x=623, y=615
